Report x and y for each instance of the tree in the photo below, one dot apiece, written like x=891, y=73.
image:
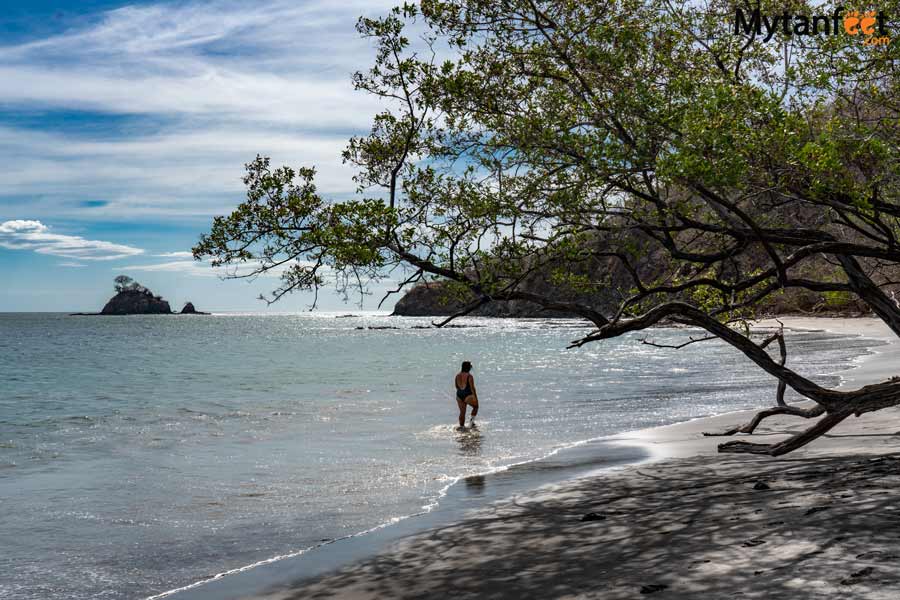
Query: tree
x=614, y=133
x=124, y=283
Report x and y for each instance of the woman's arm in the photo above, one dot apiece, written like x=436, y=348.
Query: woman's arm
x=472, y=384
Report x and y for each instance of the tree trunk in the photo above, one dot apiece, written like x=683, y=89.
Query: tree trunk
x=857, y=402
x=880, y=303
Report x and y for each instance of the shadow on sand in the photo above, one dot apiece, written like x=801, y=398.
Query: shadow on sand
x=686, y=529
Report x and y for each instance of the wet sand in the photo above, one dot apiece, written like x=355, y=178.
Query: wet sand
x=688, y=523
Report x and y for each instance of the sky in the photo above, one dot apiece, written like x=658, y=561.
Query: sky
x=124, y=128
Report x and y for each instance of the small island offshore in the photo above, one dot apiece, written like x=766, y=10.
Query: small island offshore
x=132, y=298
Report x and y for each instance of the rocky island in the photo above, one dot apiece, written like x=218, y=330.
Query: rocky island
x=132, y=298
x=190, y=310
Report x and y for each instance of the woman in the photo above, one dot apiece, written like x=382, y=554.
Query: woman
x=466, y=394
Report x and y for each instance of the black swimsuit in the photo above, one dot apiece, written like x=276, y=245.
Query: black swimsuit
x=465, y=392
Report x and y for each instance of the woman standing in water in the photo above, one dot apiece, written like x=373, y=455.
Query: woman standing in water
x=465, y=393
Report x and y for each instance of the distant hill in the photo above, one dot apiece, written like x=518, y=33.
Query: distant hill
x=436, y=298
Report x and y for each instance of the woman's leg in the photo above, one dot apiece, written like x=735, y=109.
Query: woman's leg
x=473, y=402
x=462, y=412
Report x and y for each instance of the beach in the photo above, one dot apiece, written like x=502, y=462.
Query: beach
x=686, y=522
x=266, y=458
x=255, y=449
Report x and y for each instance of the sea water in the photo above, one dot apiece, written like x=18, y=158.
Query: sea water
x=141, y=454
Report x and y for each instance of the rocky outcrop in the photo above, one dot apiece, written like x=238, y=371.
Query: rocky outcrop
x=427, y=301
x=190, y=310
x=134, y=299
x=139, y=301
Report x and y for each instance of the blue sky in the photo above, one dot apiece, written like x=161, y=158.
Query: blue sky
x=124, y=128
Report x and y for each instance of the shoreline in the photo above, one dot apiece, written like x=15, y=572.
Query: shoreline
x=466, y=493
x=683, y=440
x=642, y=449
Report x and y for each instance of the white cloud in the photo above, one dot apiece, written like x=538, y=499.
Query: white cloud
x=282, y=61
x=260, y=98
x=175, y=255
x=187, y=267
x=34, y=235
x=194, y=268
x=192, y=172
x=207, y=84
x=200, y=269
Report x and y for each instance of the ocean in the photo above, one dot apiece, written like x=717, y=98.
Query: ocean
x=143, y=454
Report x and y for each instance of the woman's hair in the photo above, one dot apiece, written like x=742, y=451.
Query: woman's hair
x=466, y=366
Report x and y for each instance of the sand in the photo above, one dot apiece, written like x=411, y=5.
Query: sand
x=690, y=523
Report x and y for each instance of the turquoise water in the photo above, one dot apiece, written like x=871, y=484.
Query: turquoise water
x=141, y=454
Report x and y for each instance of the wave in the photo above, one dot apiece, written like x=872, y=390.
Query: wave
x=280, y=557
x=431, y=503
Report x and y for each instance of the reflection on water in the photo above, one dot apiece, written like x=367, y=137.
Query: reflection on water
x=475, y=485
x=469, y=442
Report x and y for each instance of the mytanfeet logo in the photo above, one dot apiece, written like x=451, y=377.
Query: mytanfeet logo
x=871, y=25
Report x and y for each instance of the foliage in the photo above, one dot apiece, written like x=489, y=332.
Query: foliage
x=526, y=135
x=123, y=283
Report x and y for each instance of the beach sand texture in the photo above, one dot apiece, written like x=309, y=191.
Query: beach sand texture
x=823, y=521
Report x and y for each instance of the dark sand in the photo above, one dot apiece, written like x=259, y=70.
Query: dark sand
x=687, y=528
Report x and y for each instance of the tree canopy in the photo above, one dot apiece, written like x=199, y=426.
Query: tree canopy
x=124, y=283
x=521, y=136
